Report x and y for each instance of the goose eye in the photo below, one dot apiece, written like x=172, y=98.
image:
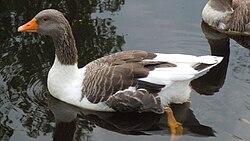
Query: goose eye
x=44, y=19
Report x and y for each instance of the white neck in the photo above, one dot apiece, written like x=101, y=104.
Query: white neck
x=65, y=81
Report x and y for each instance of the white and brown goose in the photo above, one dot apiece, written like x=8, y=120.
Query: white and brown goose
x=126, y=81
x=230, y=16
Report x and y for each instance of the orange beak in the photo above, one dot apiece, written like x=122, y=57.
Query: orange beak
x=30, y=26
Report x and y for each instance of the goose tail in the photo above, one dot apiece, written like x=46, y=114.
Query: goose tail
x=206, y=63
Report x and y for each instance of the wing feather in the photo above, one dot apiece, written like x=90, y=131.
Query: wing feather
x=119, y=71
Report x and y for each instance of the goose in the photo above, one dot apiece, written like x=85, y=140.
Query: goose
x=229, y=16
x=127, y=81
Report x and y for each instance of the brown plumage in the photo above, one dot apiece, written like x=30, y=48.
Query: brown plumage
x=240, y=18
x=140, y=100
x=118, y=72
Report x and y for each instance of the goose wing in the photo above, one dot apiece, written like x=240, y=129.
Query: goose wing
x=117, y=72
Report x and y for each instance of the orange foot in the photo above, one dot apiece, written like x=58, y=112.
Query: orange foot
x=175, y=127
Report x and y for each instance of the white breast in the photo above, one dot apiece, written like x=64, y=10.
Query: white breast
x=65, y=81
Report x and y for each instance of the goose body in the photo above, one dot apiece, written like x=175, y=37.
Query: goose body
x=231, y=16
x=125, y=81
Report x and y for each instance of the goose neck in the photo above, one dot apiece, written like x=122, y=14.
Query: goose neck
x=65, y=48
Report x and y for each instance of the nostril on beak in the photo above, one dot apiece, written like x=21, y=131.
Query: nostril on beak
x=30, y=26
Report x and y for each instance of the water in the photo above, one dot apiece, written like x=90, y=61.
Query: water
x=220, y=106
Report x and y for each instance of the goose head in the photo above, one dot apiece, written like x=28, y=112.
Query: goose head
x=53, y=23
x=47, y=22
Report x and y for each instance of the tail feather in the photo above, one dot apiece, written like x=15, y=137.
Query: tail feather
x=210, y=59
x=207, y=62
x=201, y=66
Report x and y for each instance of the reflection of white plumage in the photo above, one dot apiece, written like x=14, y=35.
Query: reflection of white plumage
x=125, y=81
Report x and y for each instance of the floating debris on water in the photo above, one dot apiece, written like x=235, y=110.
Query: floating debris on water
x=244, y=120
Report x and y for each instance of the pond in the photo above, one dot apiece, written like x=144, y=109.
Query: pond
x=220, y=100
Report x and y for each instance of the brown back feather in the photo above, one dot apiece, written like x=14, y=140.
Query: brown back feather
x=240, y=18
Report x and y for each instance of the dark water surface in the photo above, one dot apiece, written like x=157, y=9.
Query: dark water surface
x=220, y=107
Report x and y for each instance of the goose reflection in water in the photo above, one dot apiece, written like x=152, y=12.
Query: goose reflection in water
x=220, y=46
x=67, y=118
x=215, y=78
